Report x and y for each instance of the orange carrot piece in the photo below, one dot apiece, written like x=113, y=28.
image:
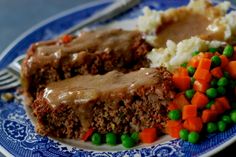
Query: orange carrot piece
x=202, y=74
x=173, y=127
x=189, y=111
x=193, y=124
x=200, y=86
x=200, y=100
x=181, y=82
x=230, y=68
x=66, y=38
x=194, y=61
x=172, y=106
x=148, y=135
x=87, y=134
x=180, y=100
x=208, y=116
x=224, y=102
x=218, y=108
x=217, y=72
x=204, y=63
x=224, y=61
x=208, y=55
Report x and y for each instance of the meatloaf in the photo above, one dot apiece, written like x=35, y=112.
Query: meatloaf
x=93, y=52
x=113, y=102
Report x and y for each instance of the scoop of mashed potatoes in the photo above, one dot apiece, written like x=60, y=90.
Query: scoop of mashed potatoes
x=176, y=33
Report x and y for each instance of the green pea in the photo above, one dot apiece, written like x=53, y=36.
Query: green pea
x=211, y=127
x=226, y=119
x=183, y=134
x=123, y=136
x=221, y=126
x=192, y=79
x=221, y=90
x=209, y=104
x=211, y=92
x=128, y=142
x=189, y=93
x=111, y=138
x=223, y=81
x=195, y=53
x=216, y=61
x=96, y=139
x=213, y=83
x=174, y=114
x=193, y=137
x=191, y=70
x=135, y=136
x=233, y=116
x=213, y=50
x=184, y=65
x=228, y=51
x=226, y=74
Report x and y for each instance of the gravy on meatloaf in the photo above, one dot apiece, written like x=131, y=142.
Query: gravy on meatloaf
x=115, y=41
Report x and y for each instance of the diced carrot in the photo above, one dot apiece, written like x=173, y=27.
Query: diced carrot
x=204, y=63
x=193, y=124
x=230, y=68
x=189, y=111
x=173, y=127
x=148, y=135
x=200, y=86
x=172, y=106
x=224, y=61
x=208, y=55
x=217, y=72
x=194, y=61
x=202, y=74
x=87, y=134
x=181, y=82
x=183, y=71
x=180, y=100
x=208, y=116
x=66, y=38
x=224, y=102
x=218, y=108
x=200, y=100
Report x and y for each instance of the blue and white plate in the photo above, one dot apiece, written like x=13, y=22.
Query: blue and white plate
x=17, y=135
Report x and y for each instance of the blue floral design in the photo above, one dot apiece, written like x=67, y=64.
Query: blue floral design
x=17, y=133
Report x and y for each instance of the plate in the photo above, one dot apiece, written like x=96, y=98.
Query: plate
x=17, y=135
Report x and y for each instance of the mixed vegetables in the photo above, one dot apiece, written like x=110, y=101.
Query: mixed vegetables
x=206, y=100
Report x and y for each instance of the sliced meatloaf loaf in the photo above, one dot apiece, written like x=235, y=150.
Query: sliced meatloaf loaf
x=113, y=102
x=94, y=52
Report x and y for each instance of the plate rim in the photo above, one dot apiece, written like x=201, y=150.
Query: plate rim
x=65, y=13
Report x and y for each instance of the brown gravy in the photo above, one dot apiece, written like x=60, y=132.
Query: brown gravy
x=115, y=41
x=186, y=24
x=86, y=88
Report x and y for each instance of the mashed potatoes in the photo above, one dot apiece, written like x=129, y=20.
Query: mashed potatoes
x=176, y=33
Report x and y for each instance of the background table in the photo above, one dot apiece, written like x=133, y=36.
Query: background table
x=17, y=16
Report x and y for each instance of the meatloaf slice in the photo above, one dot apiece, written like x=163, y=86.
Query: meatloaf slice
x=114, y=102
x=94, y=52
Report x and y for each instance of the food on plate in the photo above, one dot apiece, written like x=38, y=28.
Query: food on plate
x=111, y=103
x=175, y=74
x=205, y=104
x=176, y=32
x=93, y=52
